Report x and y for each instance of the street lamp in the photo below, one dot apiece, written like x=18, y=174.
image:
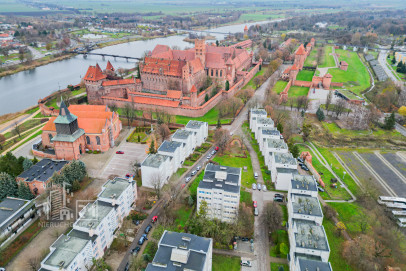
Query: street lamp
x=344, y=175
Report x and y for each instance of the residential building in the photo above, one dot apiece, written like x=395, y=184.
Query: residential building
x=77, y=129
x=200, y=130
x=283, y=167
x=15, y=214
x=307, y=263
x=93, y=231
x=38, y=176
x=156, y=169
x=262, y=123
x=303, y=185
x=186, y=137
x=304, y=207
x=283, y=177
x=175, y=150
x=264, y=134
x=220, y=189
x=182, y=251
x=306, y=237
x=272, y=146
x=254, y=114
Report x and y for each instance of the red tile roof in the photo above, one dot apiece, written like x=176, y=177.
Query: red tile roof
x=294, y=67
x=343, y=63
x=193, y=89
x=109, y=66
x=245, y=28
x=118, y=82
x=148, y=100
x=174, y=94
x=287, y=69
x=196, y=65
x=94, y=73
x=301, y=50
x=167, y=67
x=328, y=75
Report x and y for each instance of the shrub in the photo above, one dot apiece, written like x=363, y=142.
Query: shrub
x=283, y=249
x=94, y=152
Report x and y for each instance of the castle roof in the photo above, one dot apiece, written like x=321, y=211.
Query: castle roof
x=343, y=63
x=328, y=75
x=94, y=73
x=301, y=50
x=109, y=66
x=193, y=89
x=294, y=67
x=165, y=66
x=118, y=82
x=65, y=117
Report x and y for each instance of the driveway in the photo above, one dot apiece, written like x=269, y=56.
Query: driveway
x=120, y=164
x=25, y=150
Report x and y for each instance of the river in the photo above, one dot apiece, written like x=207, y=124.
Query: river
x=22, y=90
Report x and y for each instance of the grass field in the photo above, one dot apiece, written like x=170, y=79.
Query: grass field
x=256, y=17
x=14, y=6
x=327, y=60
x=251, y=84
x=311, y=60
x=211, y=117
x=356, y=78
x=279, y=86
x=305, y=75
x=226, y=263
x=182, y=215
x=296, y=91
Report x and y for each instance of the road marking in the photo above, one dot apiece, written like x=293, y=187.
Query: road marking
x=349, y=171
x=373, y=172
x=401, y=177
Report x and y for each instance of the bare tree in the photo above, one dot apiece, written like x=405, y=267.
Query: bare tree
x=157, y=182
x=34, y=263
x=2, y=140
x=163, y=131
x=328, y=100
x=17, y=128
x=339, y=107
x=273, y=216
x=222, y=136
x=136, y=165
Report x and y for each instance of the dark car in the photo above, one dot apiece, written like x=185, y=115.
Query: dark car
x=245, y=239
x=305, y=168
x=135, y=250
x=148, y=229
x=278, y=199
x=320, y=189
x=127, y=267
x=277, y=195
x=300, y=160
x=145, y=236
x=119, y=152
x=142, y=240
x=136, y=222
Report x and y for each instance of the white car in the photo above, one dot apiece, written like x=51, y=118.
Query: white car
x=259, y=187
x=264, y=187
x=246, y=263
x=254, y=186
x=188, y=179
x=255, y=175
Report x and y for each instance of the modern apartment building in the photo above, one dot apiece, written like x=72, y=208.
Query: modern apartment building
x=188, y=138
x=200, y=130
x=304, y=207
x=264, y=134
x=220, y=189
x=254, y=114
x=174, y=149
x=262, y=123
x=283, y=166
x=272, y=146
x=307, y=263
x=156, y=169
x=303, y=185
x=182, y=251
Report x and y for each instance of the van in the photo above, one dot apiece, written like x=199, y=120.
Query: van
x=256, y=213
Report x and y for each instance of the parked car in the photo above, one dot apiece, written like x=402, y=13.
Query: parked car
x=264, y=187
x=127, y=267
x=301, y=164
x=154, y=219
x=145, y=236
x=254, y=203
x=278, y=199
x=198, y=168
x=216, y=148
x=128, y=175
x=142, y=240
x=245, y=239
x=281, y=136
x=259, y=187
x=254, y=186
x=277, y=195
x=188, y=179
x=255, y=175
x=193, y=173
x=246, y=263
x=305, y=168
x=148, y=229
x=119, y=152
x=321, y=189
x=256, y=213
x=135, y=250
x=136, y=222
x=213, y=152
x=300, y=160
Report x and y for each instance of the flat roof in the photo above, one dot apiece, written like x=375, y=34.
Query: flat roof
x=285, y=158
x=66, y=249
x=169, y=146
x=181, y=134
x=94, y=213
x=154, y=160
x=12, y=207
x=43, y=170
x=221, y=177
x=313, y=265
x=265, y=121
x=194, y=124
x=258, y=111
x=276, y=143
x=286, y=170
x=306, y=205
x=270, y=131
x=308, y=235
x=114, y=188
x=304, y=182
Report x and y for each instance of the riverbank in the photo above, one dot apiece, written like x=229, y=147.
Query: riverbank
x=34, y=64
x=208, y=37
x=116, y=42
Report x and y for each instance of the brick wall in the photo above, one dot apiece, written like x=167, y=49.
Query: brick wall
x=303, y=83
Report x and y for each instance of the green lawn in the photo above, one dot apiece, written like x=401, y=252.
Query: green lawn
x=334, y=129
x=195, y=183
x=245, y=197
x=296, y=91
x=226, y=263
x=277, y=266
x=256, y=17
x=348, y=213
x=356, y=78
x=247, y=177
x=311, y=60
x=182, y=215
x=211, y=117
x=31, y=123
x=279, y=86
x=251, y=84
x=305, y=75
x=278, y=238
x=327, y=60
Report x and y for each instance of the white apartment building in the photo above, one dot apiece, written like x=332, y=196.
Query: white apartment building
x=262, y=123
x=307, y=238
x=186, y=137
x=173, y=149
x=200, y=130
x=283, y=177
x=182, y=251
x=306, y=263
x=304, y=207
x=220, y=189
x=272, y=146
x=264, y=134
x=283, y=167
x=156, y=169
x=93, y=231
x=303, y=185
x=254, y=114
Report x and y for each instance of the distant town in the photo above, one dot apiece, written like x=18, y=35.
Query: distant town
x=202, y=136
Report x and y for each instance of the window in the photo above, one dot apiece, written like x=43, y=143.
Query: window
x=211, y=72
x=50, y=137
x=217, y=73
x=221, y=73
x=87, y=140
x=97, y=140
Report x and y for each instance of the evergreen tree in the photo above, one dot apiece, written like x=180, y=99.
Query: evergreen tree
x=75, y=185
x=227, y=85
x=390, y=122
x=320, y=114
x=60, y=179
x=280, y=127
x=218, y=123
x=35, y=160
x=27, y=164
x=217, y=43
x=206, y=98
x=152, y=147
x=8, y=186
x=393, y=60
x=138, y=72
x=24, y=191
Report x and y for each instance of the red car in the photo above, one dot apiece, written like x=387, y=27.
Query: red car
x=119, y=152
x=154, y=219
x=216, y=148
x=255, y=203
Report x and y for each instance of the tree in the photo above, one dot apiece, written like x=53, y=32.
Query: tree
x=339, y=107
x=393, y=60
x=8, y=186
x=320, y=114
x=273, y=216
x=206, y=98
x=279, y=126
x=306, y=129
x=136, y=165
x=128, y=112
x=2, y=140
x=401, y=111
x=157, y=183
x=227, y=85
x=17, y=128
x=48, y=46
x=100, y=264
x=328, y=100
x=24, y=191
x=221, y=137
x=163, y=131
x=245, y=94
x=21, y=55
x=27, y=164
x=390, y=121
x=152, y=149
x=218, y=123
x=294, y=149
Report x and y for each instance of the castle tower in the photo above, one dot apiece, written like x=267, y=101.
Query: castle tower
x=293, y=73
x=246, y=31
x=327, y=81
x=193, y=96
x=93, y=80
x=300, y=56
x=200, y=51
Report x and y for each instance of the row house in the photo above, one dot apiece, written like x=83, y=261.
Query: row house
x=254, y=114
x=93, y=232
x=267, y=133
x=220, y=189
x=272, y=146
x=303, y=185
x=260, y=123
x=304, y=207
x=157, y=168
x=283, y=167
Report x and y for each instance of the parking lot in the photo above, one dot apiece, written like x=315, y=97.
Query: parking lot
x=253, y=264
x=120, y=164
